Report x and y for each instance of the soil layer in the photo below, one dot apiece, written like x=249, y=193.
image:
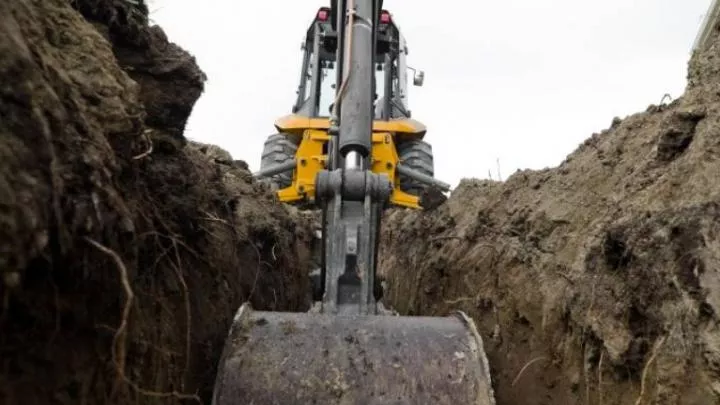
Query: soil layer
x=124, y=249
x=596, y=282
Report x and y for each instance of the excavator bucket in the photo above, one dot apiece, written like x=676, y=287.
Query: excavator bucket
x=280, y=358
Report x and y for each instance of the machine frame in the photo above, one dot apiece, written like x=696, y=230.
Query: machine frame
x=349, y=349
x=309, y=125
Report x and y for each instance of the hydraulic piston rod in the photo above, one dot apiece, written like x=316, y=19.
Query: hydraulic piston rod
x=356, y=114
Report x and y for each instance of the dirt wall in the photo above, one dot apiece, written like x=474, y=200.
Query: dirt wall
x=124, y=249
x=596, y=282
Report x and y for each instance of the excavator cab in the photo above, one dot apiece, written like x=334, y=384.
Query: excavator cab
x=348, y=349
x=316, y=90
x=302, y=139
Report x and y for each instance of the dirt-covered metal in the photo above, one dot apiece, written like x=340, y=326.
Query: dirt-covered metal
x=275, y=358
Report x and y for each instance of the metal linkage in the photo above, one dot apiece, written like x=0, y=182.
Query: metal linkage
x=277, y=169
x=422, y=177
x=354, y=201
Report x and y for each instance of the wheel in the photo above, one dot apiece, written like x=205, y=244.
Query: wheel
x=279, y=148
x=417, y=155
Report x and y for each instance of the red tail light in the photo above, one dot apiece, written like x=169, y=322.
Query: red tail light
x=323, y=14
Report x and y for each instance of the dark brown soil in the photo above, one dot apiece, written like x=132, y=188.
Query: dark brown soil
x=596, y=282
x=124, y=250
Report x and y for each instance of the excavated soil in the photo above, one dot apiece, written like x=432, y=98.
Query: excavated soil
x=124, y=250
x=596, y=282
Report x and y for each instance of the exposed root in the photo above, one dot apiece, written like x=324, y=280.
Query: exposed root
x=188, y=314
x=261, y=262
x=175, y=241
x=119, y=339
x=522, y=370
x=214, y=218
x=437, y=238
x=153, y=394
x=643, y=380
x=586, y=375
x=150, y=146
x=600, y=365
x=459, y=300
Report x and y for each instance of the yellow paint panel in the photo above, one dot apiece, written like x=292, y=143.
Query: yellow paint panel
x=297, y=124
x=385, y=160
x=311, y=159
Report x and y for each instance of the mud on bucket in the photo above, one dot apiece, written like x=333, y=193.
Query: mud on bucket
x=281, y=358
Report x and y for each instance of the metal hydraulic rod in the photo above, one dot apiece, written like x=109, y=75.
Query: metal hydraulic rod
x=356, y=118
x=352, y=195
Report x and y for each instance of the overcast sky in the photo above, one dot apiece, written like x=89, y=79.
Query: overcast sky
x=522, y=81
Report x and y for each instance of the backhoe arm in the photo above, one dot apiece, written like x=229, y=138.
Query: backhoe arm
x=351, y=353
x=352, y=196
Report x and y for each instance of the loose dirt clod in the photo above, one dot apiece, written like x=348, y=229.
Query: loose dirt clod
x=607, y=265
x=125, y=250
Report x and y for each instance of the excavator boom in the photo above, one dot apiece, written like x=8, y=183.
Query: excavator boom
x=348, y=349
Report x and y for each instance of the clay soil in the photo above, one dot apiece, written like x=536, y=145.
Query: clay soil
x=596, y=282
x=125, y=250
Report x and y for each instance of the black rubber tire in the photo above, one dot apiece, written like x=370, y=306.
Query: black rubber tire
x=278, y=149
x=417, y=155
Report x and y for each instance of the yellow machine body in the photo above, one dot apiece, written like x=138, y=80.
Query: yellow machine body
x=311, y=135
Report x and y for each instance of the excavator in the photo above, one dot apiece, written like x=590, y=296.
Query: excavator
x=352, y=153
